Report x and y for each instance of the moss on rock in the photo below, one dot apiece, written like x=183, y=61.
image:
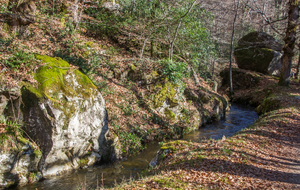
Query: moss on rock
x=51, y=78
x=169, y=114
x=255, y=59
x=58, y=82
x=165, y=92
x=269, y=104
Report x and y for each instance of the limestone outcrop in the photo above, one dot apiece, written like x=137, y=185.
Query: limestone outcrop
x=258, y=51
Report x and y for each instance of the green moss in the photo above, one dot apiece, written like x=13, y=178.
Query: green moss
x=37, y=153
x=132, y=67
x=169, y=114
x=55, y=86
x=165, y=92
x=89, y=44
x=170, y=145
x=63, y=22
x=83, y=162
x=86, y=54
x=170, y=183
x=23, y=140
x=51, y=78
x=269, y=104
x=168, y=148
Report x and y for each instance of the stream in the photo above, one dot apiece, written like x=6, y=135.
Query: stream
x=238, y=118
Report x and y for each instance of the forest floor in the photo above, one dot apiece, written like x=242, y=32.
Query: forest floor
x=263, y=156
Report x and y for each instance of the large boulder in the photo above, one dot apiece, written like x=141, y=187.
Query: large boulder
x=258, y=51
x=260, y=40
x=66, y=116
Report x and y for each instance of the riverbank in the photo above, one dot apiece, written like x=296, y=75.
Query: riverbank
x=263, y=156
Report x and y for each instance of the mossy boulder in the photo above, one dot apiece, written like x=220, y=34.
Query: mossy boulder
x=259, y=52
x=260, y=40
x=269, y=104
x=65, y=115
x=258, y=59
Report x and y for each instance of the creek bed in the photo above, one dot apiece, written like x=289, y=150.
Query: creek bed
x=238, y=118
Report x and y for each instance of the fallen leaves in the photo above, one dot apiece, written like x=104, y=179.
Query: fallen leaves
x=265, y=156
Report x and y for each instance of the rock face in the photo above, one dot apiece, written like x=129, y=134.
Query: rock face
x=66, y=117
x=258, y=51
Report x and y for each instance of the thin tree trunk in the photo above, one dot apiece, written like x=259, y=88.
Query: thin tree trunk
x=213, y=70
x=142, y=52
x=289, y=40
x=231, y=46
x=298, y=66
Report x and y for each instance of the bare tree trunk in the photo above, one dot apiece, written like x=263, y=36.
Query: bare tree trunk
x=289, y=40
x=231, y=46
x=298, y=67
x=213, y=70
x=144, y=44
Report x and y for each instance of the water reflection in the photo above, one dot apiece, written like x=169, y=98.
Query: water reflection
x=239, y=117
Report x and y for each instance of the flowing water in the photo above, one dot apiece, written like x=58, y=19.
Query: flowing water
x=238, y=118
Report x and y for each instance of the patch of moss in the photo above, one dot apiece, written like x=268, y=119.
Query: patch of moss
x=170, y=145
x=132, y=67
x=37, y=153
x=269, y=104
x=83, y=162
x=63, y=22
x=23, y=140
x=165, y=92
x=171, y=183
x=169, y=114
x=86, y=54
x=168, y=148
x=89, y=44
x=51, y=78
